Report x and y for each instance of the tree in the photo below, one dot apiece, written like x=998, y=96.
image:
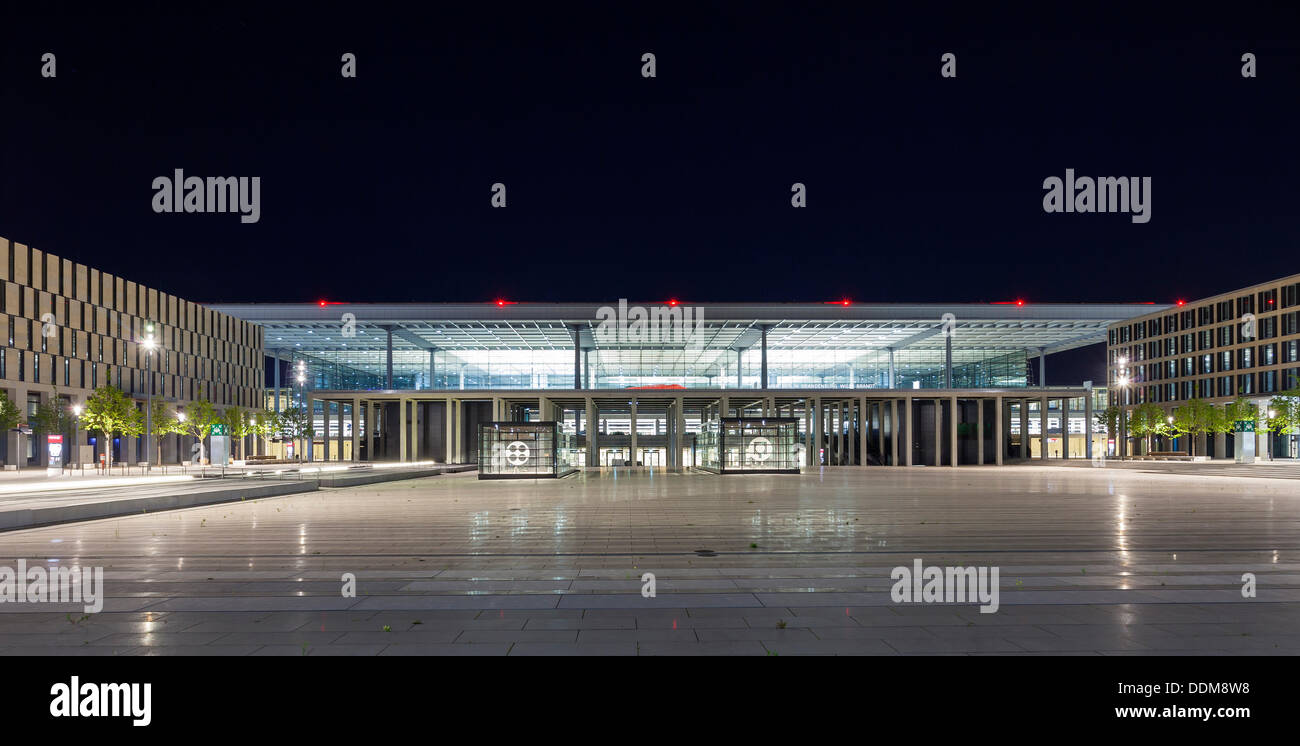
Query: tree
x=109, y=412
x=238, y=424
x=199, y=417
x=265, y=423
x=53, y=417
x=295, y=424
x=10, y=416
x=1284, y=413
x=164, y=423
x=1149, y=420
x=1109, y=418
x=1195, y=418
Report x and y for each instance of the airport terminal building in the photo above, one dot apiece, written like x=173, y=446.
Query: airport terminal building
x=637, y=382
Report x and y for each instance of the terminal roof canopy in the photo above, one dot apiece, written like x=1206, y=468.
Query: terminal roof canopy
x=336, y=328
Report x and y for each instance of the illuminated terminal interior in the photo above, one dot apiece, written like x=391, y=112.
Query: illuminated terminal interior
x=864, y=384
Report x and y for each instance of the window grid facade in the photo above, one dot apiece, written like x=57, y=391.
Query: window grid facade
x=1242, y=343
x=76, y=328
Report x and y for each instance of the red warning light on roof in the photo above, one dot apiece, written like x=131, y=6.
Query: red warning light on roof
x=840, y=302
x=1179, y=302
x=502, y=302
x=672, y=301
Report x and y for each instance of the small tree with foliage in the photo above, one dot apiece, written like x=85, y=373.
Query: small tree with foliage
x=53, y=417
x=1194, y=418
x=1109, y=419
x=1149, y=420
x=109, y=412
x=1284, y=409
x=200, y=416
x=238, y=424
x=164, y=422
x=265, y=423
x=295, y=424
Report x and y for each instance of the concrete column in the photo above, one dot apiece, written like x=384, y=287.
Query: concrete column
x=339, y=438
x=461, y=454
x=401, y=429
x=1220, y=445
x=1000, y=439
x=953, y=457
x=356, y=430
x=632, y=434
x=449, y=423
x=892, y=380
x=819, y=429
x=1042, y=367
x=910, y=436
x=670, y=435
x=1042, y=428
x=432, y=370
x=1024, y=428
x=837, y=419
x=372, y=429
x=739, y=370
x=1065, y=427
x=894, y=429
x=938, y=432
x=593, y=433
x=1087, y=424
x=724, y=409
x=808, y=432
x=763, y=370
x=864, y=428
x=979, y=431
x=415, y=429
x=947, y=361
x=679, y=415
x=325, y=429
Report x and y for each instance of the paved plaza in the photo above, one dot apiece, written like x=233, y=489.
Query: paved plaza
x=1109, y=561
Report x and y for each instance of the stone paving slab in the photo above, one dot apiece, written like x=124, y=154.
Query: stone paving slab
x=1092, y=562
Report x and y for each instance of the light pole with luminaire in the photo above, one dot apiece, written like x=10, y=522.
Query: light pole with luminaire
x=302, y=402
x=76, y=434
x=149, y=344
x=1122, y=381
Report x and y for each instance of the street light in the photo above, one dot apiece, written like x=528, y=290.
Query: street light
x=301, y=375
x=149, y=344
x=76, y=434
x=1122, y=380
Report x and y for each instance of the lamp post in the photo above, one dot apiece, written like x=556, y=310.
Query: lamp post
x=1122, y=381
x=76, y=434
x=149, y=344
x=1169, y=420
x=301, y=375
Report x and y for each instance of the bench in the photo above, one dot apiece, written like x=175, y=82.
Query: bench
x=1165, y=456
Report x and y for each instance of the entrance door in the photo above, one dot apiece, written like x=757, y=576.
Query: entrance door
x=650, y=457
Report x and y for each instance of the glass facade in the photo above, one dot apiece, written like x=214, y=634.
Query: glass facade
x=456, y=347
x=525, y=450
x=792, y=367
x=739, y=445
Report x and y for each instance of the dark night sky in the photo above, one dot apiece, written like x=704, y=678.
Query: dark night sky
x=920, y=188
